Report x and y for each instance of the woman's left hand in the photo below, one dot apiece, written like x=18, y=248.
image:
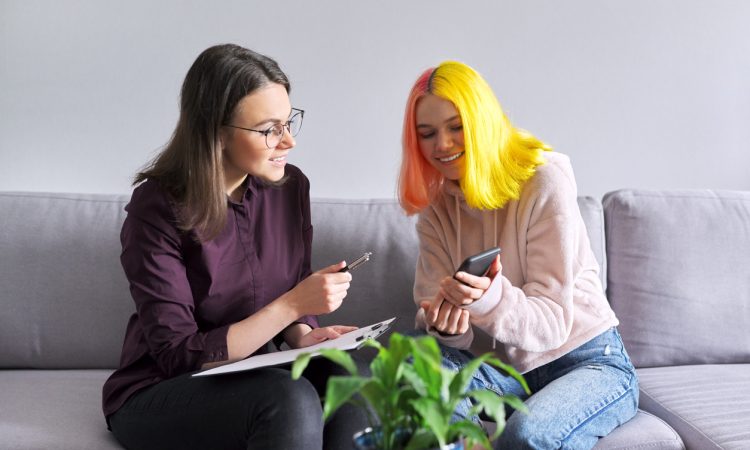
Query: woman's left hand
x=444, y=317
x=465, y=288
x=317, y=335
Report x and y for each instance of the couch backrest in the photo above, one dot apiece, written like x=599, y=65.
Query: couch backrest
x=382, y=287
x=64, y=300
x=679, y=275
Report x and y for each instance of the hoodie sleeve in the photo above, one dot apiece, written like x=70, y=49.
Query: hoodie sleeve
x=433, y=264
x=538, y=316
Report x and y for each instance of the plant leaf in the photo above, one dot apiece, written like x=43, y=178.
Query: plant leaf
x=377, y=366
x=300, y=364
x=427, y=347
x=369, y=342
x=433, y=417
x=421, y=439
x=507, y=368
x=414, y=380
x=339, y=390
x=461, y=381
x=377, y=396
x=398, y=353
x=427, y=365
x=385, y=365
x=404, y=405
x=469, y=430
x=341, y=358
x=494, y=406
x=446, y=379
x=490, y=402
x=515, y=403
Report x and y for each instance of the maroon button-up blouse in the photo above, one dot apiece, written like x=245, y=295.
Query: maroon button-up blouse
x=187, y=293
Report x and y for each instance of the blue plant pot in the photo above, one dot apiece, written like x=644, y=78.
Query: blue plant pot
x=368, y=438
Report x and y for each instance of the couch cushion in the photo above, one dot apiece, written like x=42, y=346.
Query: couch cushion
x=644, y=431
x=64, y=297
x=53, y=409
x=382, y=287
x=709, y=405
x=679, y=275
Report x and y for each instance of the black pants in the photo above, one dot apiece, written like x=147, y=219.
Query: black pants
x=261, y=408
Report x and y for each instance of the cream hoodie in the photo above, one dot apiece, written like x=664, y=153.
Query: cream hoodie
x=548, y=299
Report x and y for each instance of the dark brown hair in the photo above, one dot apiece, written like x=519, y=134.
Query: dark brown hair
x=190, y=165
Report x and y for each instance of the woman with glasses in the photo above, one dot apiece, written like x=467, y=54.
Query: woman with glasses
x=477, y=182
x=216, y=247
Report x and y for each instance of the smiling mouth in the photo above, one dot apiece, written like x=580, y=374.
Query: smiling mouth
x=448, y=159
x=278, y=158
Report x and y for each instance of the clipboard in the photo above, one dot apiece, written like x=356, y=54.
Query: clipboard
x=349, y=341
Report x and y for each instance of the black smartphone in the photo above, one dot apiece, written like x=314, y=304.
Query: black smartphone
x=479, y=264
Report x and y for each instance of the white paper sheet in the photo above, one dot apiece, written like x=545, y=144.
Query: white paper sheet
x=348, y=341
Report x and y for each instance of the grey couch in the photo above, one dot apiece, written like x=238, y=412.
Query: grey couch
x=677, y=274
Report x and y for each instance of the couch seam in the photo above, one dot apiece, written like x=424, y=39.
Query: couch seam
x=716, y=194
x=59, y=197
x=680, y=416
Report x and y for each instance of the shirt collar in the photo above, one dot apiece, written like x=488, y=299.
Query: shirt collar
x=249, y=185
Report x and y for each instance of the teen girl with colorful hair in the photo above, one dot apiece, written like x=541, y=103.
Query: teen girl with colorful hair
x=477, y=182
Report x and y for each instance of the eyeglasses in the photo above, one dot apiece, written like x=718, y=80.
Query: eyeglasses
x=275, y=133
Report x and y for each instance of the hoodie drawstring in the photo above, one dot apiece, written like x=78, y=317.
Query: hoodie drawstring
x=494, y=236
x=458, y=230
x=458, y=239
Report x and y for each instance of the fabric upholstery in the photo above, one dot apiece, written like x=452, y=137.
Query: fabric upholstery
x=53, y=409
x=708, y=405
x=64, y=301
x=382, y=287
x=652, y=434
x=645, y=431
x=593, y=217
x=679, y=275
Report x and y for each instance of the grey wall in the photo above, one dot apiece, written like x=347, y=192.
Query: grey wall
x=650, y=94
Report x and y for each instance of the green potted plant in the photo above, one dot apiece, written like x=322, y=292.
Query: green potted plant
x=411, y=398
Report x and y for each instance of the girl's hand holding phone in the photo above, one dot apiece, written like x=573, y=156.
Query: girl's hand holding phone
x=472, y=278
x=445, y=312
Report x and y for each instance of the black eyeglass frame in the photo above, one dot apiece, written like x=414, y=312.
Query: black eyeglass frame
x=295, y=112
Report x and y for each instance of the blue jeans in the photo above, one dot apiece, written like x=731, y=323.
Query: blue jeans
x=575, y=399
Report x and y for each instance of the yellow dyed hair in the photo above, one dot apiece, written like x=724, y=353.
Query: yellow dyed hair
x=499, y=157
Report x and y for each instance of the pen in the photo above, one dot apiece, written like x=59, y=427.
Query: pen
x=362, y=259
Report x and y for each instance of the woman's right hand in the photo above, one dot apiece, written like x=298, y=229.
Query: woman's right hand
x=320, y=293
